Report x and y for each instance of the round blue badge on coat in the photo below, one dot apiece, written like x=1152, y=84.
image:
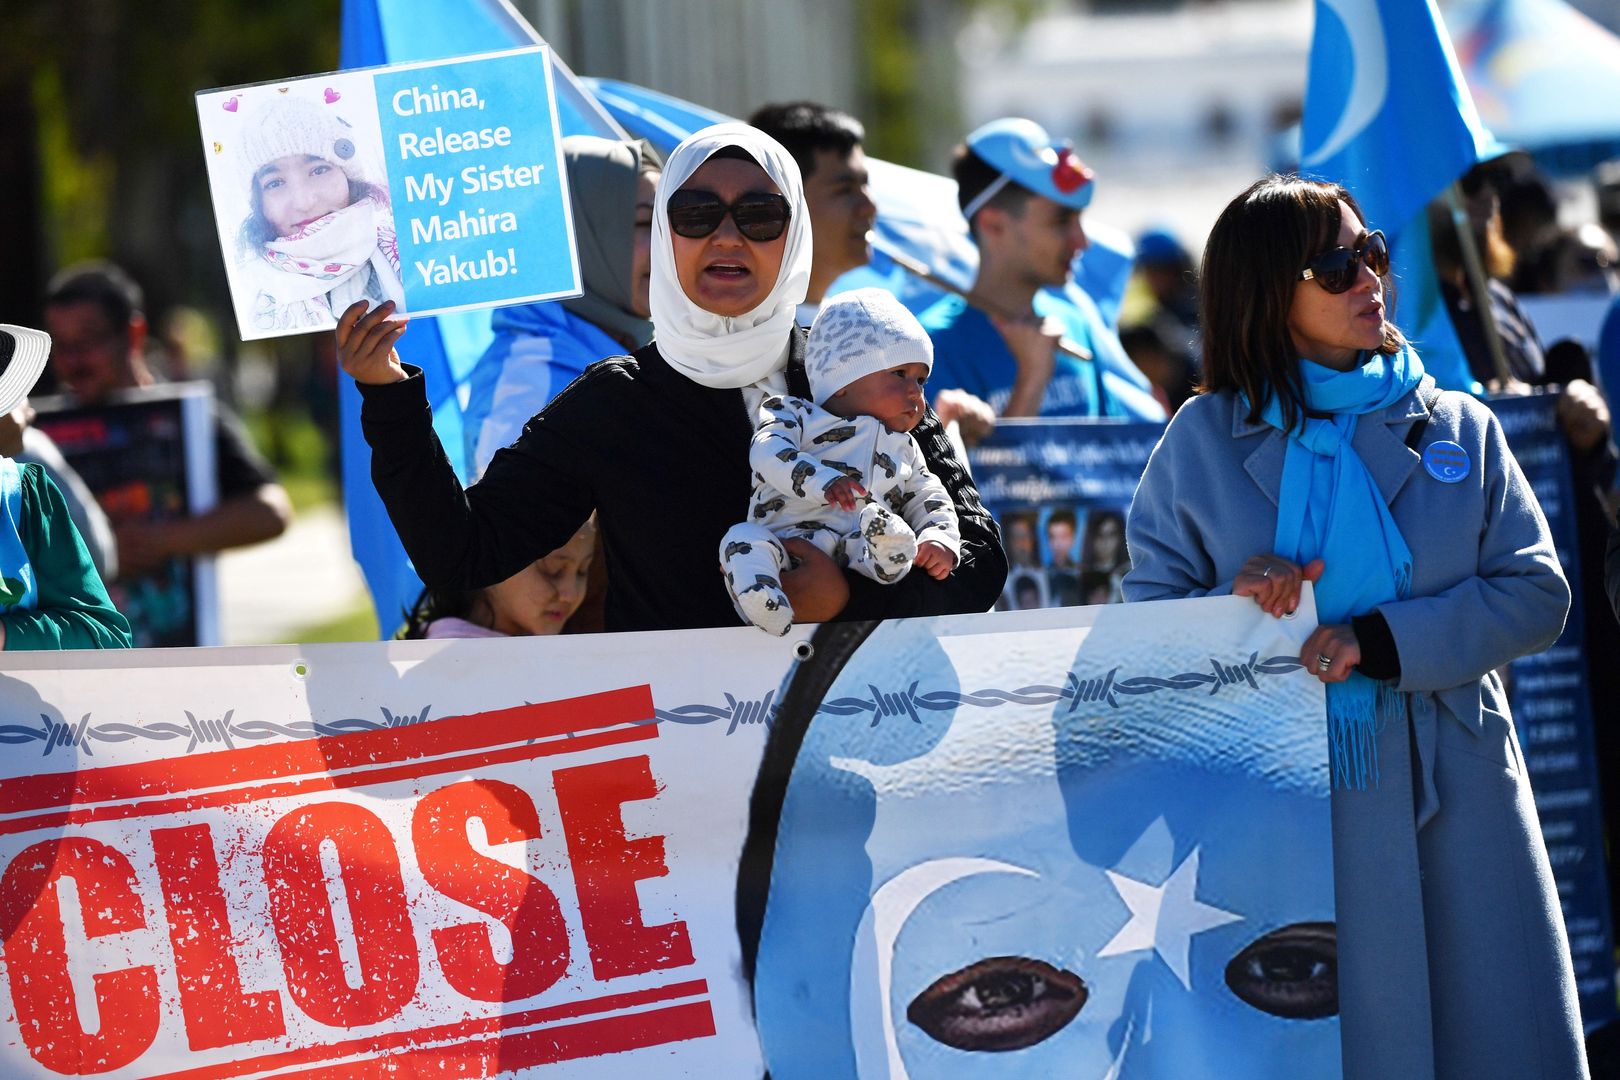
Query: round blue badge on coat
x=1446, y=462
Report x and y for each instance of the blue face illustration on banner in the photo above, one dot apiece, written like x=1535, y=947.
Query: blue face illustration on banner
x=1026, y=886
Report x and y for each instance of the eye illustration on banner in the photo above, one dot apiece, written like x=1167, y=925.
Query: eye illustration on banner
x=1040, y=890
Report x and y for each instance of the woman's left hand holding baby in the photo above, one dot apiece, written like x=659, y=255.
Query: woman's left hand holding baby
x=934, y=559
x=814, y=584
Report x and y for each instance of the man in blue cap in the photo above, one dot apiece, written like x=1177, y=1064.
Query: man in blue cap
x=1026, y=339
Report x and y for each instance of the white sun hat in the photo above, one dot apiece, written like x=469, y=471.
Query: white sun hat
x=22, y=360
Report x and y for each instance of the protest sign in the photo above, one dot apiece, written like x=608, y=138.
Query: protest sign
x=1060, y=489
x=1552, y=707
x=147, y=454
x=471, y=858
x=436, y=185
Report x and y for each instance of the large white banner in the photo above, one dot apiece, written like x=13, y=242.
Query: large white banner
x=978, y=845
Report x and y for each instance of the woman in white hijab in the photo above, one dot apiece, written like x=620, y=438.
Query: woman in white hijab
x=656, y=444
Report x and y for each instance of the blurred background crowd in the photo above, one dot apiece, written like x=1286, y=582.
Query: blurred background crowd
x=102, y=161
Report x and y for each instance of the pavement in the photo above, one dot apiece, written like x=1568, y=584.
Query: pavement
x=271, y=591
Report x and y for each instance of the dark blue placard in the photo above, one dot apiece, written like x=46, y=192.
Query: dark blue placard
x=1552, y=707
x=1060, y=489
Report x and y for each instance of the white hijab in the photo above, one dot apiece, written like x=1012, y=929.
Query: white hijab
x=712, y=350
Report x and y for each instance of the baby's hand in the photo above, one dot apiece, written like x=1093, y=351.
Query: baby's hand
x=843, y=492
x=935, y=559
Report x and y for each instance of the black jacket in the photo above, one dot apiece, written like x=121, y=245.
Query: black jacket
x=663, y=461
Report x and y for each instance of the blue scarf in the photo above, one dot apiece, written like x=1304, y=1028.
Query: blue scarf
x=1330, y=508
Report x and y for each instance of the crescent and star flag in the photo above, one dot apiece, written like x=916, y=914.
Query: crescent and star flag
x=1387, y=115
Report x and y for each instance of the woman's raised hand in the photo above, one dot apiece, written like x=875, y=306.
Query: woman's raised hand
x=1274, y=582
x=365, y=343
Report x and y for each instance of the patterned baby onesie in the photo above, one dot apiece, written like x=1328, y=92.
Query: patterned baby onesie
x=799, y=450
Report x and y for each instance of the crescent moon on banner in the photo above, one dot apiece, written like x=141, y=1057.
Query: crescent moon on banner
x=1369, y=84
x=880, y=928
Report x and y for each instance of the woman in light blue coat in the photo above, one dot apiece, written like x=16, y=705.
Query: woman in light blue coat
x=1318, y=450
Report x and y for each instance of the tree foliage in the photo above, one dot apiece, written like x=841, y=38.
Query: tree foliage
x=105, y=156
x=910, y=67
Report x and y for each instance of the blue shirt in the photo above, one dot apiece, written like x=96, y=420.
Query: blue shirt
x=969, y=354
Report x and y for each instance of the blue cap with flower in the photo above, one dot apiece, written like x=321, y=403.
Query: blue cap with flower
x=1026, y=155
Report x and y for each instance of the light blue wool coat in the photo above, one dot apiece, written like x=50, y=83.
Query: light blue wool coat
x=1453, y=960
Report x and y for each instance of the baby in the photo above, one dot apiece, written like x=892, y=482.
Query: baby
x=844, y=472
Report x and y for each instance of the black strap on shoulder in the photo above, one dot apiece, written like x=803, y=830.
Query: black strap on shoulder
x=1430, y=400
x=798, y=380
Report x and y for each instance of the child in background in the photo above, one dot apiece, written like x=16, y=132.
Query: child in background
x=50, y=594
x=320, y=235
x=537, y=600
x=843, y=472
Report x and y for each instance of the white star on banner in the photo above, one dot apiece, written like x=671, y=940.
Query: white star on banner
x=1165, y=917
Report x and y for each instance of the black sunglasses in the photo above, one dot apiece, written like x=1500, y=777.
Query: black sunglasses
x=1337, y=270
x=758, y=215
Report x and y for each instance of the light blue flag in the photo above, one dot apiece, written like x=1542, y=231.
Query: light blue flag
x=377, y=32
x=1103, y=269
x=1387, y=115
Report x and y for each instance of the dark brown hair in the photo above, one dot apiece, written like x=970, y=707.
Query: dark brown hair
x=1484, y=222
x=806, y=128
x=973, y=174
x=1252, y=261
x=102, y=284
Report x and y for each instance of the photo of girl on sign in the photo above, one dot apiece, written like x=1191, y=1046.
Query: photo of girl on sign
x=319, y=233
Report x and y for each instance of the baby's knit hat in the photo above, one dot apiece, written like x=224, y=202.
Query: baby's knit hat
x=858, y=333
x=291, y=125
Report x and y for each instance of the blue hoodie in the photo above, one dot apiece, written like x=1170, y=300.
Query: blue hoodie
x=538, y=350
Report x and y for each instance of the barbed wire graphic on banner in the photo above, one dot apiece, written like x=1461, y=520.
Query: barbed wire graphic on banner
x=200, y=732
x=881, y=704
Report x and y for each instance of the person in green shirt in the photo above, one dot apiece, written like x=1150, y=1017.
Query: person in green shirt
x=50, y=594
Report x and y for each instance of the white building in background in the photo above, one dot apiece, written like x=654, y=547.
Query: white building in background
x=1175, y=110
x=729, y=55
x=1174, y=107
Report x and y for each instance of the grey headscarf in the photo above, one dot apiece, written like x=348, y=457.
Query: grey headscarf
x=602, y=176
